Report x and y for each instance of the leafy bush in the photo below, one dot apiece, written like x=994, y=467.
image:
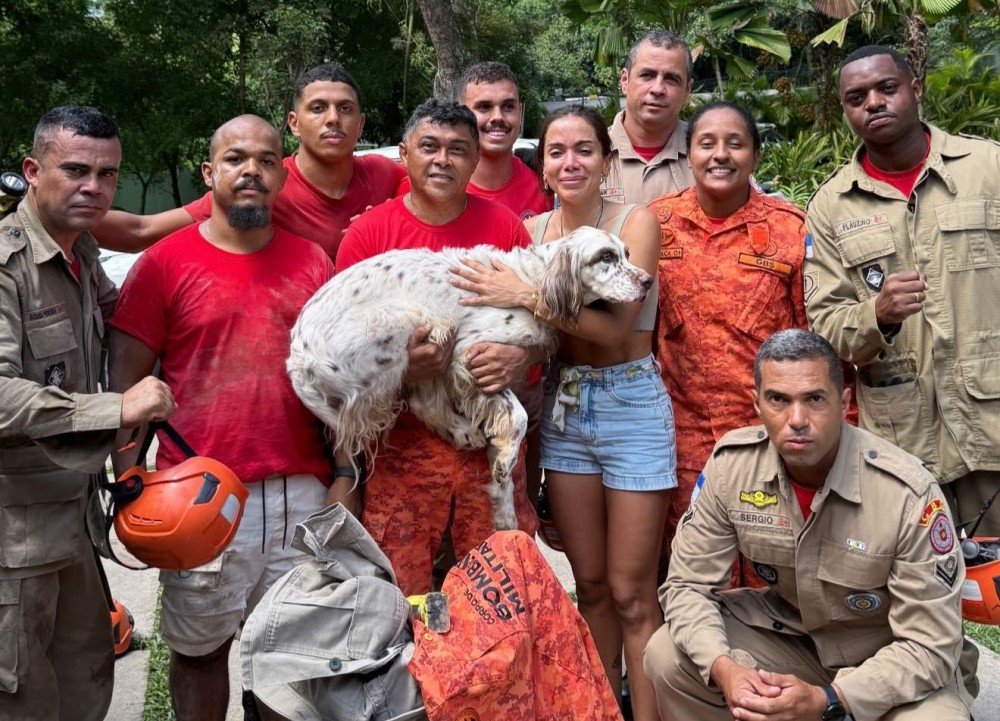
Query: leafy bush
x=963, y=96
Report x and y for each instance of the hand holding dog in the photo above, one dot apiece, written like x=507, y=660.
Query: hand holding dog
x=497, y=286
x=496, y=367
x=426, y=359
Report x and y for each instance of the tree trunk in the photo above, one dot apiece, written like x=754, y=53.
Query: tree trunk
x=916, y=46
x=452, y=29
x=718, y=75
x=175, y=186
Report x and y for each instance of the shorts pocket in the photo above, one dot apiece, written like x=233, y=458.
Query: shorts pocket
x=640, y=392
x=201, y=591
x=10, y=631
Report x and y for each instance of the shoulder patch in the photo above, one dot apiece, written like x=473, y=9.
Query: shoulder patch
x=12, y=239
x=749, y=436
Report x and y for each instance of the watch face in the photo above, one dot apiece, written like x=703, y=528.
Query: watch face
x=834, y=712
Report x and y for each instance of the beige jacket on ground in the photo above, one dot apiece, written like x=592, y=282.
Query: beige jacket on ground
x=862, y=577
x=55, y=427
x=631, y=179
x=933, y=388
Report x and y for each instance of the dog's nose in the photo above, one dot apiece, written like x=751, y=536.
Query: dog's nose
x=646, y=282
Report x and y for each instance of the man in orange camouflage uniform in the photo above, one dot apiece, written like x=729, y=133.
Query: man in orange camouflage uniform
x=724, y=289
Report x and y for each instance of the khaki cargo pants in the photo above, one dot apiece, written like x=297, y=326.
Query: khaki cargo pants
x=681, y=695
x=56, y=652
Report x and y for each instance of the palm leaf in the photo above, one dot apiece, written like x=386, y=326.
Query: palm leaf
x=939, y=7
x=833, y=35
x=766, y=38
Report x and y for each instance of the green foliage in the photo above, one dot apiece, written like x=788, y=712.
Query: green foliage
x=798, y=166
x=988, y=636
x=963, y=96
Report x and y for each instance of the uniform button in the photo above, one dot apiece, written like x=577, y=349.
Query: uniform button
x=777, y=625
x=335, y=665
x=761, y=434
x=873, y=454
x=15, y=232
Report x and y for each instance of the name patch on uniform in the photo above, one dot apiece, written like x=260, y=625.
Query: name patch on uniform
x=849, y=226
x=55, y=374
x=671, y=253
x=946, y=571
x=759, y=499
x=767, y=522
x=942, y=535
x=768, y=573
x=773, y=266
x=43, y=313
x=930, y=510
x=874, y=276
x=864, y=604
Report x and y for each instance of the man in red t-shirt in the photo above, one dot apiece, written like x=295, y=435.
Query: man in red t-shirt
x=418, y=479
x=490, y=91
x=326, y=185
x=214, y=303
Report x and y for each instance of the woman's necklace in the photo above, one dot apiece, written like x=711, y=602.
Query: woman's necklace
x=597, y=223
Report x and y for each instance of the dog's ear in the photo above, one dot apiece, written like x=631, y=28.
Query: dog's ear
x=561, y=292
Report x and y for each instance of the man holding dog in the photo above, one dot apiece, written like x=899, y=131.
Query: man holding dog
x=215, y=304
x=649, y=149
x=861, y=615
x=326, y=185
x=56, y=426
x=902, y=275
x=418, y=479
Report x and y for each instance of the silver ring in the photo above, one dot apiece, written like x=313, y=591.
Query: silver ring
x=917, y=296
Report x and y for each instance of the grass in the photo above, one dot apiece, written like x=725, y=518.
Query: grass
x=156, y=706
x=988, y=636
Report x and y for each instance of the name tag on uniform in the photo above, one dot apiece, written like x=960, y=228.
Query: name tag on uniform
x=671, y=253
x=774, y=266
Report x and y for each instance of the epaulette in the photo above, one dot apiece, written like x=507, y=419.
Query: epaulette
x=897, y=463
x=785, y=205
x=749, y=436
x=967, y=136
x=12, y=239
x=831, y=176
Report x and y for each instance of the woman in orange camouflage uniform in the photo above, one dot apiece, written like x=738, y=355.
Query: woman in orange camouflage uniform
x=730, y=275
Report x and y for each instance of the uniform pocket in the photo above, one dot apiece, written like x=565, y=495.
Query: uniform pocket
x=52, y=338
x=761, y=313
x=40, y=533
x=898, y=414
x=10, y=632
x=854, y=583
x=982, y=383
x=971, y=233
x=861, y=251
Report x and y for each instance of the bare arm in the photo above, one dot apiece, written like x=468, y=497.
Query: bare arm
x=131, y=233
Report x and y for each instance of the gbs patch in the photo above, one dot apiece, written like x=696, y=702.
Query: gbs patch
x=873, y=276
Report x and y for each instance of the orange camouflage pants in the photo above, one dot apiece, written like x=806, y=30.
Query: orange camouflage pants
x=417, y=483
x=518, y=650
x=680, y=499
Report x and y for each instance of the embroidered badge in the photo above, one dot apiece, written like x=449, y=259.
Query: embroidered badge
x=856, y=545
x=768, y=573
x=760, y=521
x=759, y=499
x=849, y=226
x=468, y=714
x=688, y=515
x=772, y=266
x=671, y=253
x=43, y=313
x=697, y=487
x=55, y=374
x=930, y=509
x=864, y=604
x=809, y=246
x=942, y=535
x=808, y=286
x=947, y=571
x=874, y=276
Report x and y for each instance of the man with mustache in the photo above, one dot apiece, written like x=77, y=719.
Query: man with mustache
x=418, y=479
x=56, y=425
x=647, y=137
x=861, y=613
x=902, y=277
x=326, y=185
x=215, y=303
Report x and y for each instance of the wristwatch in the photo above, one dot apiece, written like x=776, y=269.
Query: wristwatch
x=834, y=710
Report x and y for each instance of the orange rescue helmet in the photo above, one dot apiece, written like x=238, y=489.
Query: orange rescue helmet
x=179, y=518
x=981, y=589
x=122, y=624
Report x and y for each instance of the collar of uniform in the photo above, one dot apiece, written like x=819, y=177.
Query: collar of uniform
x=844, y=477
x=943, y=146
x=688, y=207
x=43, y=247
x=676, y=144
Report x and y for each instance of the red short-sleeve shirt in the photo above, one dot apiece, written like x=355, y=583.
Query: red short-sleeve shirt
x=220, y=324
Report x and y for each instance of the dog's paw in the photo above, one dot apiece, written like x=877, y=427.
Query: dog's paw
x=504, y=519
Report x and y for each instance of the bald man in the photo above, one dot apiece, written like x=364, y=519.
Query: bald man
x=215, y=303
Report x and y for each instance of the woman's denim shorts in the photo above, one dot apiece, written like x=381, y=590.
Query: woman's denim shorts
x=616, y=421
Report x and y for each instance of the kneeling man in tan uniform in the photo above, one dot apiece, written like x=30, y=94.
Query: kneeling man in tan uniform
x=856, y=542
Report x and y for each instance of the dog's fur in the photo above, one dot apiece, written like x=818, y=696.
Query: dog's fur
x=349, y=345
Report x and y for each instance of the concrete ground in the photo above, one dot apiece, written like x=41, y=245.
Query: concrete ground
x=138, y=591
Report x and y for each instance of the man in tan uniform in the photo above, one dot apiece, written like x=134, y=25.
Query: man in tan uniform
x=903, y=277
x=56, y=428
x=648, y=141
x=862, y=613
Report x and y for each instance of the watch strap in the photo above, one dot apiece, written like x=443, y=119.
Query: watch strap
x=346, y=472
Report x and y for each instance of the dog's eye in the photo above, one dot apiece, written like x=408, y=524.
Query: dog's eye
x=608, y=256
